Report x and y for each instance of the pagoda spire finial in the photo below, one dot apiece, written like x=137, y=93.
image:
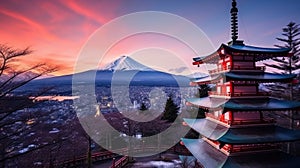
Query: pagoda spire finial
x=234, y=22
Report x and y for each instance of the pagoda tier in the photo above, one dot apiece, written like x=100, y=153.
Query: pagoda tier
x=255, y=77
x=210, y=156
x=243, y=104
x=255, y=134
x=241, y=111
x=241, y=53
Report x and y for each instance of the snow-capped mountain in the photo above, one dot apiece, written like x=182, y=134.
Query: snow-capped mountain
x=119, y=72
x=126, y=63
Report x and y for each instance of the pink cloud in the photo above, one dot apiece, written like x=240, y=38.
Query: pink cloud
x=35, y=26
x=83, y=10
x=56, y=13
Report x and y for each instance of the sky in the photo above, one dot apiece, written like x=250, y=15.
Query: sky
x=57, y=30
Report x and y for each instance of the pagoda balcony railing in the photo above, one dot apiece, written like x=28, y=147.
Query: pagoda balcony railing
x=218, y=70
x=251, y=121
x=253, y=147
x=242, y=122
x=238, y=94
x=260, y=68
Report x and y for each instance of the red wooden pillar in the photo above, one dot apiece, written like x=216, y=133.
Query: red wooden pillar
x=230, y=117
x=222, y=118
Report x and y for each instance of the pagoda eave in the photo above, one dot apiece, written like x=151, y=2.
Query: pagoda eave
x=253, y=50
x=242, y=135
x=264, y=77
x=205, y=80
x=259, y=53
x=206, y=154
x=258, y=77
x=207, y=128
x=259, y=135
x=210, y=156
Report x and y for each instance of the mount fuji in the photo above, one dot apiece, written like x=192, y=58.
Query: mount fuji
x=118, y=72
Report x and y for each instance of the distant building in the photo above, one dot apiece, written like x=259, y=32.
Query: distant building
x=135, y=104
x=235, y=131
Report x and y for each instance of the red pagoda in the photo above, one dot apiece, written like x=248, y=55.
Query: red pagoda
x=236, y=131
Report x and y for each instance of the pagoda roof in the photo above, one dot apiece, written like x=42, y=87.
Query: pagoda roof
x=243, y=135
x=211, y=157
x=207, y=128
x=254, y=49
x=206, y=154
x=262, y=77
x=206, y=79
x=244, y=104
x=259, y=53
x=248, y=76
x=260, y=134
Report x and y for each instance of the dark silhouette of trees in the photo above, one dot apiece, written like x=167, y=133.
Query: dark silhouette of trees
x=203, y=92
x=289, y=65
x=143, y=107
x=15, y=122
x=14, y=73
x=171, y=110
x=291, y=40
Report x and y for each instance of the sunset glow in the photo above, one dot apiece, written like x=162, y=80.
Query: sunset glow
x=57, y=30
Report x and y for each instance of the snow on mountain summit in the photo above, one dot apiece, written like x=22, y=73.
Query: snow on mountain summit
x=126, y=63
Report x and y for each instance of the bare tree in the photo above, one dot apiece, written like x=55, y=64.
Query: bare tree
x=15, y=121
